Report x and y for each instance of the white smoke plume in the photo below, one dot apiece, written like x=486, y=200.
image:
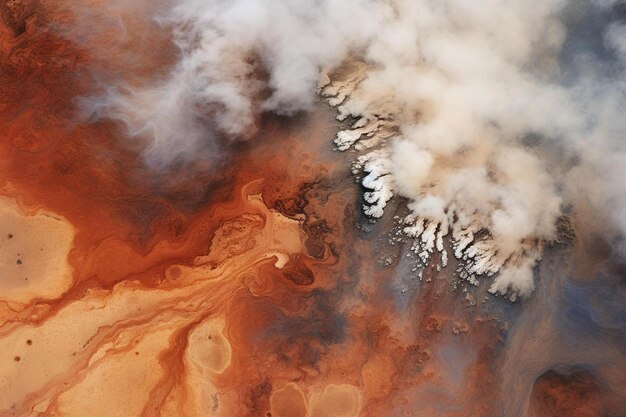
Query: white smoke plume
x=237, y=59
x=486, y=115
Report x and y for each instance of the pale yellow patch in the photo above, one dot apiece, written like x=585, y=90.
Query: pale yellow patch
x=34, y=252
x=337, y=401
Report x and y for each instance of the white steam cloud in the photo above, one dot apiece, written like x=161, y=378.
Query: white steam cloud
x=487, y=115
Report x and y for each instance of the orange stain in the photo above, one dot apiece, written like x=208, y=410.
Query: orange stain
x=241, y=289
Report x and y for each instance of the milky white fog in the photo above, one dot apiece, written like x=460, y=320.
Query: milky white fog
x=313, y=208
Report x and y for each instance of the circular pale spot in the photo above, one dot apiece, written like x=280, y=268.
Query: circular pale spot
x=208, y=348
x=288, y=401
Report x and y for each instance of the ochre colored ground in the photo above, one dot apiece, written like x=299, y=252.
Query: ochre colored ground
x=237, y=288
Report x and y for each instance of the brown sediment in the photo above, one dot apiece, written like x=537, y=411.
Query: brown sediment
x=573, y=395
x=135, y=277
x=237, y=289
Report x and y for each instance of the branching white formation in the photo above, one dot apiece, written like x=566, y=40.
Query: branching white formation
x=378, y=181
x=439, y=98
x=487, y=215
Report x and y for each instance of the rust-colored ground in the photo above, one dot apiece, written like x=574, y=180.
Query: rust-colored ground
x=237, y=288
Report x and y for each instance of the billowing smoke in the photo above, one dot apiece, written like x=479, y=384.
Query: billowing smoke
x=237, y=59
x=489, y=116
